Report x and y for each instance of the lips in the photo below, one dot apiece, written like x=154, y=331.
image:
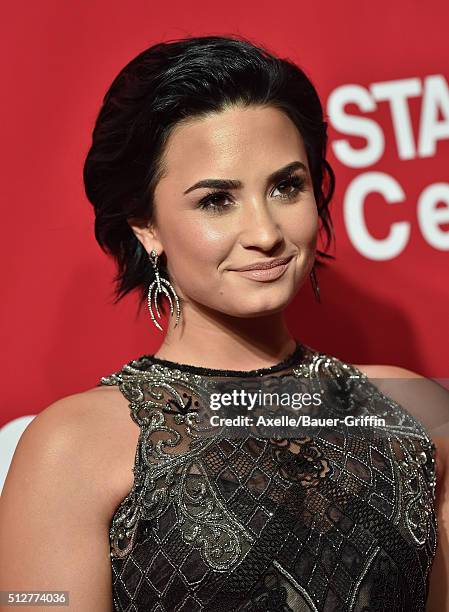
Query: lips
x=270, y=273
x=264, y=265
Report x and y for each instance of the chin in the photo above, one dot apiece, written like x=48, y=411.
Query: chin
x=260, y=307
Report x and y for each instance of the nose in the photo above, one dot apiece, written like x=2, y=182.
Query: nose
x=259, y=228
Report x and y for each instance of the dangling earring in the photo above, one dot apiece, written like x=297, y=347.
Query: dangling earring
x=316, y=287
x=160, y=283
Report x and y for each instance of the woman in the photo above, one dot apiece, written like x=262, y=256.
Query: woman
x=208, y=176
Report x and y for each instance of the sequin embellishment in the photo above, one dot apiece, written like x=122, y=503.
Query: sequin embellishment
x=333, y=520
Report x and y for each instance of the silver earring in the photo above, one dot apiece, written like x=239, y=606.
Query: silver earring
x=315, y=285
x=160, y=284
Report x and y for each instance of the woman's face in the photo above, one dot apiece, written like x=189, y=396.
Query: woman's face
x=261, y=211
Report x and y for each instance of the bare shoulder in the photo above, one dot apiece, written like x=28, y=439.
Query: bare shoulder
x=71, y=468
x=387, y=371
x=92, y=432
x=424, y=398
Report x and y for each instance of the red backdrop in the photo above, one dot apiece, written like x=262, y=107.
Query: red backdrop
x=381, y=70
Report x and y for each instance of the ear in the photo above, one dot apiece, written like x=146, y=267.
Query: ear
x=147, y=234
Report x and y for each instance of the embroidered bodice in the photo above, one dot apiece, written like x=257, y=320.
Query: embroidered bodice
x=332, y=518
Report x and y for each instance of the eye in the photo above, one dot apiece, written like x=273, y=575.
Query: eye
x=293, y=184
x=214, y=201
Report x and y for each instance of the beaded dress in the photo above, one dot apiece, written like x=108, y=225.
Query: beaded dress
x=333, y=519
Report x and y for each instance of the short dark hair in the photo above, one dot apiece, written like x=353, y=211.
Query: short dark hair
x=169, y=82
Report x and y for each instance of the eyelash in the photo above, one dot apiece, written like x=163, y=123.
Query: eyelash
x=295, y=181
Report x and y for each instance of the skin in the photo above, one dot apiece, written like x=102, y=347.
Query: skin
x=54, y=499
x=227, y=320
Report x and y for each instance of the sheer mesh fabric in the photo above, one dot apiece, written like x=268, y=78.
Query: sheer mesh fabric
x=335, y=520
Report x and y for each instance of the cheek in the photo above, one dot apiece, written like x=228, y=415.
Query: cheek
x=195, y=247
x=300, y=226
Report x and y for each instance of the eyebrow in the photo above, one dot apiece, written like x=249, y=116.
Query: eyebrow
x=280, y=174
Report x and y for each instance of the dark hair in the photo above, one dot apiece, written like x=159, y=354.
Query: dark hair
x=163, y=85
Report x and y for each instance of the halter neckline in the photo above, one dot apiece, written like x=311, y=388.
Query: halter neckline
x=290, y=360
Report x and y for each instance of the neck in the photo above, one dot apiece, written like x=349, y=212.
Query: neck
x=213, y=339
